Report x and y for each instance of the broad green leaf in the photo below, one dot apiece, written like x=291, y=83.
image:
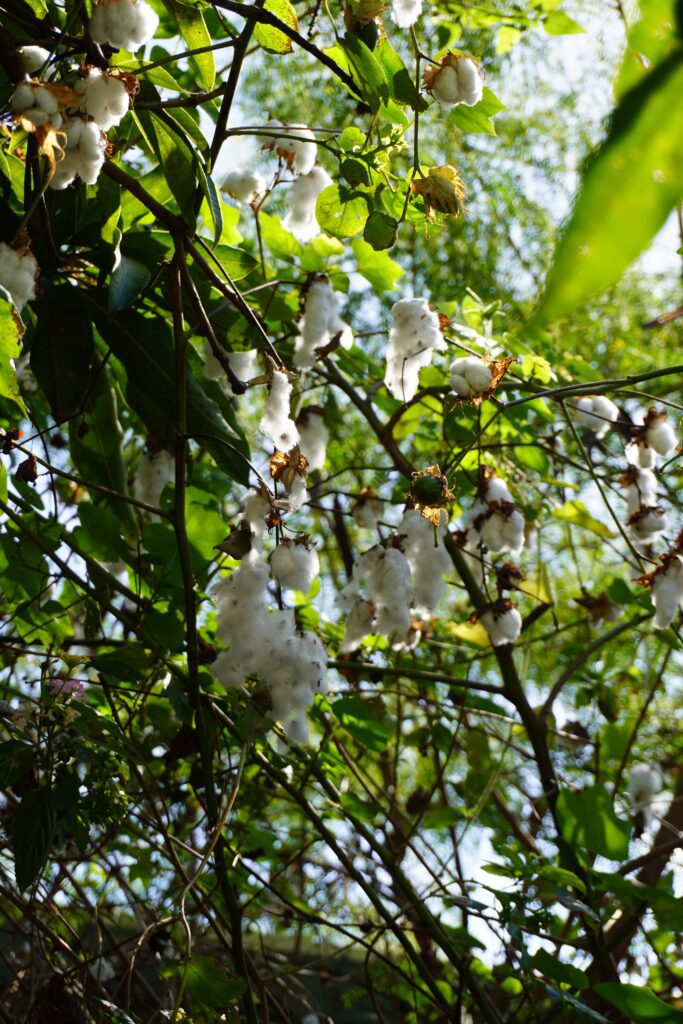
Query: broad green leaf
x=588, y=822
x=638, y=1004
x=551, y=967
x=376, y=267
x=11, y=330
x=650, y=40
x=627, y=192
x=280, y=242
x=193, y=29
x=476, y=120
x=236, y=262
x=34, y=824
x=367, y=71
x=271, y=38
x=15, y=760
x=576, y=513
x=62, y=350
x=380, y=230
x=558, y=23
x=401, y=85
x=126, y=283
x=341, y=211
x=178, y=165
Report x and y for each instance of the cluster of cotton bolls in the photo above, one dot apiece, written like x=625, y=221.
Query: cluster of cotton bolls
x=502, y=622
x=123, y=24
x=294, y=564
x=458, y=79
x=84, y=148
x=470, y=376
x=18, y=270
x=104, y=97
x=644, y=786
x=597, y=412
x=414, y=336
x=244, y=185
x=265, y=644
x=276, y=421
x=406, y=12
x=320, y=324
x=379, y=597
x=155, y=470
x=36, y=104
x=313, y=436
x=494, y=520
x=655, y=437
x=296, y=145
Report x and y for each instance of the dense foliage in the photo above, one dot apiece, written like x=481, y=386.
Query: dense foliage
x=340, y=535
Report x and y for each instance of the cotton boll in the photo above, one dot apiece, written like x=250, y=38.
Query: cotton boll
x=470, y=376
x=313, y=437
x=297, y=146
x=640, y=454
x=154, y=472
x=297, y=493
x=459, y=80
x=406, y=12
x=244, y=184
x=359, y=624
x=243, y=365
x=428, y=561
x=303, y=196
x=502, y=625
x=640, y=488
x=644, y=783
x=123, y=24
x=104, y=98
x=667, y=592
x=661, y=436
x=648, y=524
x=84, y=149
x=494, y=488
x=37, y=104
x=276, y=421
x=390, y=589
x=320, y=324
x=255, y=510
x=18, y=271
x=596, y=412
x=33, y=58
x=413, y=337
x=368, y=509
x=295, y=565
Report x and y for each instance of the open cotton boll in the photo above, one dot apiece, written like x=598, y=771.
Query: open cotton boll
x=640, y=488
x=33, y=58
x=18, y=272
x=243, y=365
x=459, y=80
x=104, y=98
x=368, y=509
x=596, y=412
x=303, y=196
x=503, y=530
x=123, y=24
x=295, y=565
x=414, y=335
x=154, y=472
x=667, y=592
x=84, y=149
x=244, y=184
x=638, y=453
x=661, y=436
x=313, y=436
x=647, y=524
x=359, y=624
x=254, y=512
x=36, y=104
x=320, y=324
x=495, y=489
x=276, y=421
x=390, y=589
x=502, y=625
x=406, y=12
x=297, y=146
x=470, y=376
x=428, y=563
x=644, y=783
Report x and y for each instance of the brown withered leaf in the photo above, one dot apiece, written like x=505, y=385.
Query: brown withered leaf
x=600, y=608
x=27, y=470
x=498, y=368
x=237, y=544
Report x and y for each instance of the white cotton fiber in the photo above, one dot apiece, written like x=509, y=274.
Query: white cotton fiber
x=414, y=336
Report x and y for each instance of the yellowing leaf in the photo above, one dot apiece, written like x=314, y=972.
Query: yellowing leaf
x=470, y=632
x=271, y=38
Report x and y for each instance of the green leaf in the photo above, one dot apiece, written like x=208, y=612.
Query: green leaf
x=476, y=120
x=367, y=71
x=549, y=966
x=341, y=212
x=280, y=242
x=576, y=513
x=588, y=821
x=376, y=267
x=402, y=87
x=638, y=1004
x=558, y=23
x=11, y=330
x=192, y=27
x=271, y=38
x=62, y=350
x=126, y=283
x=650, y=41
x=351, y=138
x=15, y=760
x=627, y=192
x=177, y=162
x=34, y=824
x=209, y=984
x=236, y=262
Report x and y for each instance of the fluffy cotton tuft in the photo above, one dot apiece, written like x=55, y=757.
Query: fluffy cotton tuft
x=33, y=58
x=320, y=324
x=640, y=489
x=254, y=512
x=414, y=336
x=661, y=436
x=243, y=365
x=37, y=104
x=368, y=509
x=428, y=560
x=385, y=575
x=154, y=472
x=406, y=12
x=503, y=530
x=18, y=272
x=303, y=196
x=596, y=412
x=639, y=454
x=648, y=524
x=295, y=565
x=123, y=24
x=276, y=421
x=297, y=146
x=459, y=80
x=470, y=376
x=83, y=154
x=244, y=185
x=313, y=437
x=104, y=98
x=503, y=626
x=667, y=592
x=644, y=783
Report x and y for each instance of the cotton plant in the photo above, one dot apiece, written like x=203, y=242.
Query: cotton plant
x=414, y=336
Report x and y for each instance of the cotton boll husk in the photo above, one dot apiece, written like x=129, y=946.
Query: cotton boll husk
x=470, y=376
x=276, y=421
x=33, y=58
x=300, y=150
x=502, y=627
x=661, y=436
x=644, y=783
x=414, y=335
x=428, y=563
x=244, y=184
x=105, y=98
x=406, y=12
x=154, y=472
x=359, y=623
x=18, y=275
x=295, y=565
x=313, y=438
x=303, y=196
x=123, y=24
